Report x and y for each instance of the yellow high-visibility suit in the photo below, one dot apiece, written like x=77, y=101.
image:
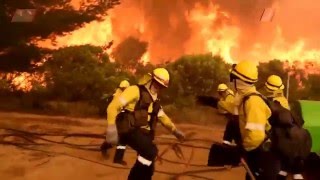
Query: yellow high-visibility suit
x=226, y=104
x=117, y=93
x=127, y=100
x=140, y=141
x=253, y=120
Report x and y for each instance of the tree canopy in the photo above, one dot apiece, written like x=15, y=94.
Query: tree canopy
x=81, y=73
x=53, y=17
x=76, y=73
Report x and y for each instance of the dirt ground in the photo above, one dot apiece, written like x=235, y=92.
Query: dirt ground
x=25, y=156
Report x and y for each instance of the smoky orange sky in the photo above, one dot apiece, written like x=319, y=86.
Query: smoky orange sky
x=230, y=28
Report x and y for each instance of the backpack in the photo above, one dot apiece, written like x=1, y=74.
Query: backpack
x=280, y=116
x=288, y=137
x=127, y=120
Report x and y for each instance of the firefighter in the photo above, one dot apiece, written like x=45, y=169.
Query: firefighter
x=253, y=120
x=137, y=123
x=226, y=99
x=274, y=87
x=226, y=107
x=121, y=146
x=118, y=158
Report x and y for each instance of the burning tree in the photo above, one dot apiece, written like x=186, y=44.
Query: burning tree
x=76, y=73
x=129, y=52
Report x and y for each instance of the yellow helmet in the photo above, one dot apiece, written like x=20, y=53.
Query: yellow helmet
x=124, y=84
x=161, y=75
x=274, y=83
x=247, y=71
x=222, y=87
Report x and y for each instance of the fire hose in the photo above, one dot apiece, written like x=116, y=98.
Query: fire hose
x=30, y=136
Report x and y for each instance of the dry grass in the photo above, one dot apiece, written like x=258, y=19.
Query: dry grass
x=200, y=115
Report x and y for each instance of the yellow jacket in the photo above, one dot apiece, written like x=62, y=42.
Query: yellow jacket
x=127, y=100
x=226, y=105
x=117, y=93
x=253, y=120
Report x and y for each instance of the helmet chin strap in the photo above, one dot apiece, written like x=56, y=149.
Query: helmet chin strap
x=152, y=91
x=235, y=84
x=151, y=82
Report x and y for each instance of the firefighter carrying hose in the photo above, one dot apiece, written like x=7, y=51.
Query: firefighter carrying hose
x=118, y=158
x=288, y=163
x=253, y=120
x=138, y=121
x=226, y=107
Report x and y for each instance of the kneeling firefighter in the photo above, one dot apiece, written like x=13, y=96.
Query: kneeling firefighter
x=226, y=107
x=253, y=120
x=137, y=123
x=291, y=142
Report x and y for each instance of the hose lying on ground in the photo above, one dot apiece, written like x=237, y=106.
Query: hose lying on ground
x=90, y=135
x=30, y=137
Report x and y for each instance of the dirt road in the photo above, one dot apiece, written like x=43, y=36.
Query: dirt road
x=77, y=157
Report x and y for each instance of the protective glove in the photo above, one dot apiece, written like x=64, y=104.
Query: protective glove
x=112, y=134
x=179, y=135
x=266, y=146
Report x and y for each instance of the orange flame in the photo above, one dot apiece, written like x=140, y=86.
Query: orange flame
x=24, y=81
x=203, y=20
x=212, y=28
x=283, y=50
x=172, y=32
x=145, y=58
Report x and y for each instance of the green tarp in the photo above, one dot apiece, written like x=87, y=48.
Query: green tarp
x=311, y=114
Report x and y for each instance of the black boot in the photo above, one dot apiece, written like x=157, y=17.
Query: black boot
x=104, y=148
x=281, y=177
x=118, y=157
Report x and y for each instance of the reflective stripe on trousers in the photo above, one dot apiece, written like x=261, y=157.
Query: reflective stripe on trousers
x=121, y=147
x=144, y=161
